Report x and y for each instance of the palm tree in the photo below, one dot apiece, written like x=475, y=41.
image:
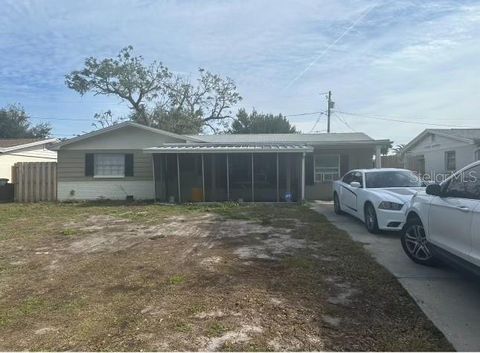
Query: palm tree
x=398, y=149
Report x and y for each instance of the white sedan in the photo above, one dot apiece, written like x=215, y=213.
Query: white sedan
x=378, y=197
x=443, y=222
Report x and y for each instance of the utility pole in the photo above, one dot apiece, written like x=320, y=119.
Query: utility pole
x=330, y=106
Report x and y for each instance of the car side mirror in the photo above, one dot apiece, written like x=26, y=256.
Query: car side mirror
x=434, y=190
x=355, y=184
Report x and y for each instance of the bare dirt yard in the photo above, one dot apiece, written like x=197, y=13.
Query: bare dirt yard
x=221, y=277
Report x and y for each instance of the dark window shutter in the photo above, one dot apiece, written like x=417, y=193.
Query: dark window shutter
x=309, y=169
x=89, y=164
x=129, y=164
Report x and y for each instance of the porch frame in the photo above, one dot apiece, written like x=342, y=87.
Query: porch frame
x=276, y=158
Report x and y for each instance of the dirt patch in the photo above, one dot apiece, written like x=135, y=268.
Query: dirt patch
x=223, y=277
x=242, y=335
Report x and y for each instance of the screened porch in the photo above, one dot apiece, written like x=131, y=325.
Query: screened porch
x=243, y=173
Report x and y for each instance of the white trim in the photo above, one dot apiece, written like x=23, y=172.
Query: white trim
x=315, y=181
x=109, y=176
x=103, y=176
x=27, y=145
x=445, y=160
x=476, y=155
x=445, y=134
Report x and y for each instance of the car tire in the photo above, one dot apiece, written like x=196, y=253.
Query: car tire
x=371, y=222
x=336, y=204
x=414, y=243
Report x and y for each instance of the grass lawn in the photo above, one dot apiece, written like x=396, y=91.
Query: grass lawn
x=222, y=277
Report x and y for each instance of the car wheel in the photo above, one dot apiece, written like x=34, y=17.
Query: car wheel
x=336, y=204
x=414, y=243
x=371, y=219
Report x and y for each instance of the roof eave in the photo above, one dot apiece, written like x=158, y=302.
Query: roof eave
x=27, y=145
x=57, y=146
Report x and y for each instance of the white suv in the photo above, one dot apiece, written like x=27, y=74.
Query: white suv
x=444, y=221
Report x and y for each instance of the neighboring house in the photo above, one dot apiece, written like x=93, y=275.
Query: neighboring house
x=132, y=161
x=24, y=150
x=441, y=151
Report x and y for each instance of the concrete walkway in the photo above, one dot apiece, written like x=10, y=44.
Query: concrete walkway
x=449, y=298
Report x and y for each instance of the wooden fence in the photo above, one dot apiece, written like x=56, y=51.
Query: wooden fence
x=392, y=161
x=35, y=181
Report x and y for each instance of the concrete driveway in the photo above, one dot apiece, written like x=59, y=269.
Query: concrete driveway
x=449, y=298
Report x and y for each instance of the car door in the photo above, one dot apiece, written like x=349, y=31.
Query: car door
x=473, y=189
x=451, y=214
x=349, y=193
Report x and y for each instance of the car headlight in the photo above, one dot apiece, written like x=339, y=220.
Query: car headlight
x=387, y=205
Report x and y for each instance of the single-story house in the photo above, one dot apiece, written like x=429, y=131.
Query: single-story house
x=24, y=150
x=438, y=152
x=133, y=161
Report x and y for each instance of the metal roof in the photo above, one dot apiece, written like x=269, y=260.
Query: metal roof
x=315, y=139
x=229, y=148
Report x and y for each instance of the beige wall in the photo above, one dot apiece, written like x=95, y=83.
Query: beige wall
x=73, y=184
x=126, y=138
x=71, y=165
x=358, y=158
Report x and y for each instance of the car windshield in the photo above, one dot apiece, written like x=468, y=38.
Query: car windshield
x=392, y=179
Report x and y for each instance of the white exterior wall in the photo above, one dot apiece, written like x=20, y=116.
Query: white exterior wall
x=105, y=189
x=32, y=154
x=434, y=153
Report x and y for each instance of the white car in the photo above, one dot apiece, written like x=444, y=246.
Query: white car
x=444, y=221
x=378, y=197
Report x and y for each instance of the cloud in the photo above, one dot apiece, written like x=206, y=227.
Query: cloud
x=405, y=58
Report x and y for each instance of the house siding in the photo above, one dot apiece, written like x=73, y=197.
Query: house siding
x=433, y=151
x=71, y=177
x=357, y=158
x=71, y=165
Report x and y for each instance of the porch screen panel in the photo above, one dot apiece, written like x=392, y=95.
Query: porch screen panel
x=240, y=167
x=170, y=178
x=289, y=176
x=191, y=177
x=215, y=177
x=265, y=177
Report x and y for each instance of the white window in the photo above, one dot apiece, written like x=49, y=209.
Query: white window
x=450, y=164
x=109, y=165
x=327, y=167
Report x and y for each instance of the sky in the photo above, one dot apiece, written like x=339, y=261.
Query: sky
x=393, y=67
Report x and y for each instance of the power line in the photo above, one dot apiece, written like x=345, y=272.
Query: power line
x=399, y=120
x=301, y=114
x=64, y=119
x=316, y=123
x=344, y=121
